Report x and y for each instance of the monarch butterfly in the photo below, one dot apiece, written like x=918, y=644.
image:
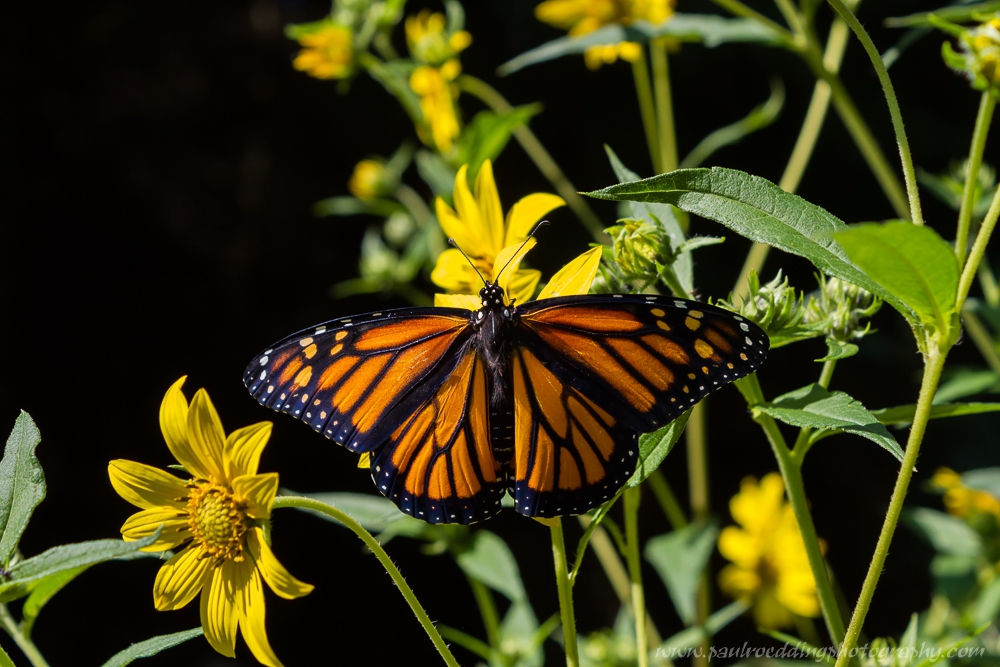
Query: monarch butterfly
x=545, y=400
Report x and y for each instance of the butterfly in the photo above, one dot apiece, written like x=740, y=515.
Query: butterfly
x=544, y=400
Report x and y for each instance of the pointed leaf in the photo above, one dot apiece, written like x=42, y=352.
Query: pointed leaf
x=903, y=414
x=488, y=133
x=680, y=558
x=654, y=447
x=813, y=406
x=5, y=660
x=837, y=350
x=151, y=647
x=22, y=484
x=947, y=534
x=967, y=382
x=491, y=562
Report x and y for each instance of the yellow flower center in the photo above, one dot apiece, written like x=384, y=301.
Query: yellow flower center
x=218, y=521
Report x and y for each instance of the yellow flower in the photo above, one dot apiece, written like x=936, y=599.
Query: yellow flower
x=959, y=499
x=582, y=16
x=438, y=95
x=368, y=180
x=478, y=226
x=429, y=41
x=769, y=567
x=218, y=513
x=327, y=52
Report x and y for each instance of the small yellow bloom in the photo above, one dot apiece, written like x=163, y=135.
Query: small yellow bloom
x=478, y=226
x=368, y=180
x=429, y=41
x=959, y=499
x=769, y=567
x=327, y=53
x=582, y=16
x=438, y=95
x=217, y=513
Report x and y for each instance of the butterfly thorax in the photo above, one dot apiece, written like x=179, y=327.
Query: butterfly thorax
x=494, y=324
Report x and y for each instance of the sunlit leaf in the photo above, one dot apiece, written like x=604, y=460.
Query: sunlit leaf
x=151, y=647
x=654, y=447
x=903, y=414
x=22, y=484
x=837, y=349
x=488, y=133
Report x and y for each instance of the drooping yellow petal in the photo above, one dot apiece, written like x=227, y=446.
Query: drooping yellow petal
x=466, y=301
x=524, y=214
x=454, y=273
x=490, y=210
x=507, y=262
x=173, y=423
x=243, y=447
x=258, y=492
x=522, y=285
x=576, y=277
x=219, y=616
x=277, y=577
x=477, y=233
x=176, y=529
x=250, y=601
x=180, y=578
x=454, y=228
x=145, y=486
x=205, y=434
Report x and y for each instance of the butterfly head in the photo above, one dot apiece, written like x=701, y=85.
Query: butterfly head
x=492, y=295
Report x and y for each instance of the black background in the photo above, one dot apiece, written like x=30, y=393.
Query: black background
x=161, y=161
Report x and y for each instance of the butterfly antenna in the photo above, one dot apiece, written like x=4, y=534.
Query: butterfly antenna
x=537, y=227
x=452, y=243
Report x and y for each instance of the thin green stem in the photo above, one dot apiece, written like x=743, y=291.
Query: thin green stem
x=383, y=557
x=978, y=250
x=737, y=8
x=981, y=337
x=665, y=497
x=643, y=90
x=632, y=498
x=488, y=610
x=664, y=106
x=696, y=439
x=565, y=592
x=934, y=363
x=28, y=648
x=468, y=642
x=986, y=106
x=909, y=173
x=826, y=374
x=541, y=157
x=793, y=17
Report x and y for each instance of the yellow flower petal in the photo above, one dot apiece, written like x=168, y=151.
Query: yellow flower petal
x=365, y=460
x=205, y=434
x=738, y=582
x=768, y=612
x=219, y=616
x=277, y=577
x=258, y=492
x=176, y=528
x=466, y=301
x=740, y=547
x=173, y=423
x=796, y=590
x=489, y=207
x=180, y=579
x=507, y=262
x=576, y=277
x=250, y=600
x=145, y=486
x=454, y=273
x=524, y=214
x=523, y=284
x=243, y=447
x=454, y=228
x=477, y=232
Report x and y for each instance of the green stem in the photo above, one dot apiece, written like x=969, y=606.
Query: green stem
x=696, y=439
x=934, y=363
x=737, y=8
x=981, y=337
x=541, y=157
x=376, y=548
x=640, y=73
x=664, y=106
x=565, y=592
x=988, y=283
x=468, y=642
x=632, y=498
x=488, y=610
x=978, y=250
x=909, y=174
x=666, y=499
x=826, y=374
x=986, y=105
x=28, y=648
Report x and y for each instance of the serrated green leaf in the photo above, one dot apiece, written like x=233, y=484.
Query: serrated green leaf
x=983, y=479
x=947, y=534
x=151, y=647
x=342, y=206
x=491, y=562
x=43, y=591
x=710, y=29
x=967, y=382
x=5, y=660
x=757, y=209
x=694, y=636
x=654, y=447
x=838, y=350
x=680, y=558
x=488, y=133
x=912, y=262
x=22, y=484
x=813, y=406
x=903, y=414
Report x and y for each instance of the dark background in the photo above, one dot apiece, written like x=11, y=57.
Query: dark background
x=161, y=161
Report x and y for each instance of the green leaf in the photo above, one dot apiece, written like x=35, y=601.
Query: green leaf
x=43, y=591
x=967, y=382
x=903, y=414
x=912, y=262
x=22, y=484
x=67, y=557
x=353, y=206
x=693, y=636
x=983, y=479
x=987, y=604
x=5, y=660
x=813, y=406
x=654, y=447
x=151, y=647
x=757, y=209
x=491, y=562
x=908, y=641
x=838, y=350
x=374, y=513
x=517, y=634
x=958, y=13
x=947, y=534
x=488, y=133
x=680, y=558
x=436, y=174
x=709, y=29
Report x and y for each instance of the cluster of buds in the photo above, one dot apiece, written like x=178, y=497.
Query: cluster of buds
x=841, y=309
x=643, y=251
x=777, y=307
x=434, y=40
x=978, y=57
